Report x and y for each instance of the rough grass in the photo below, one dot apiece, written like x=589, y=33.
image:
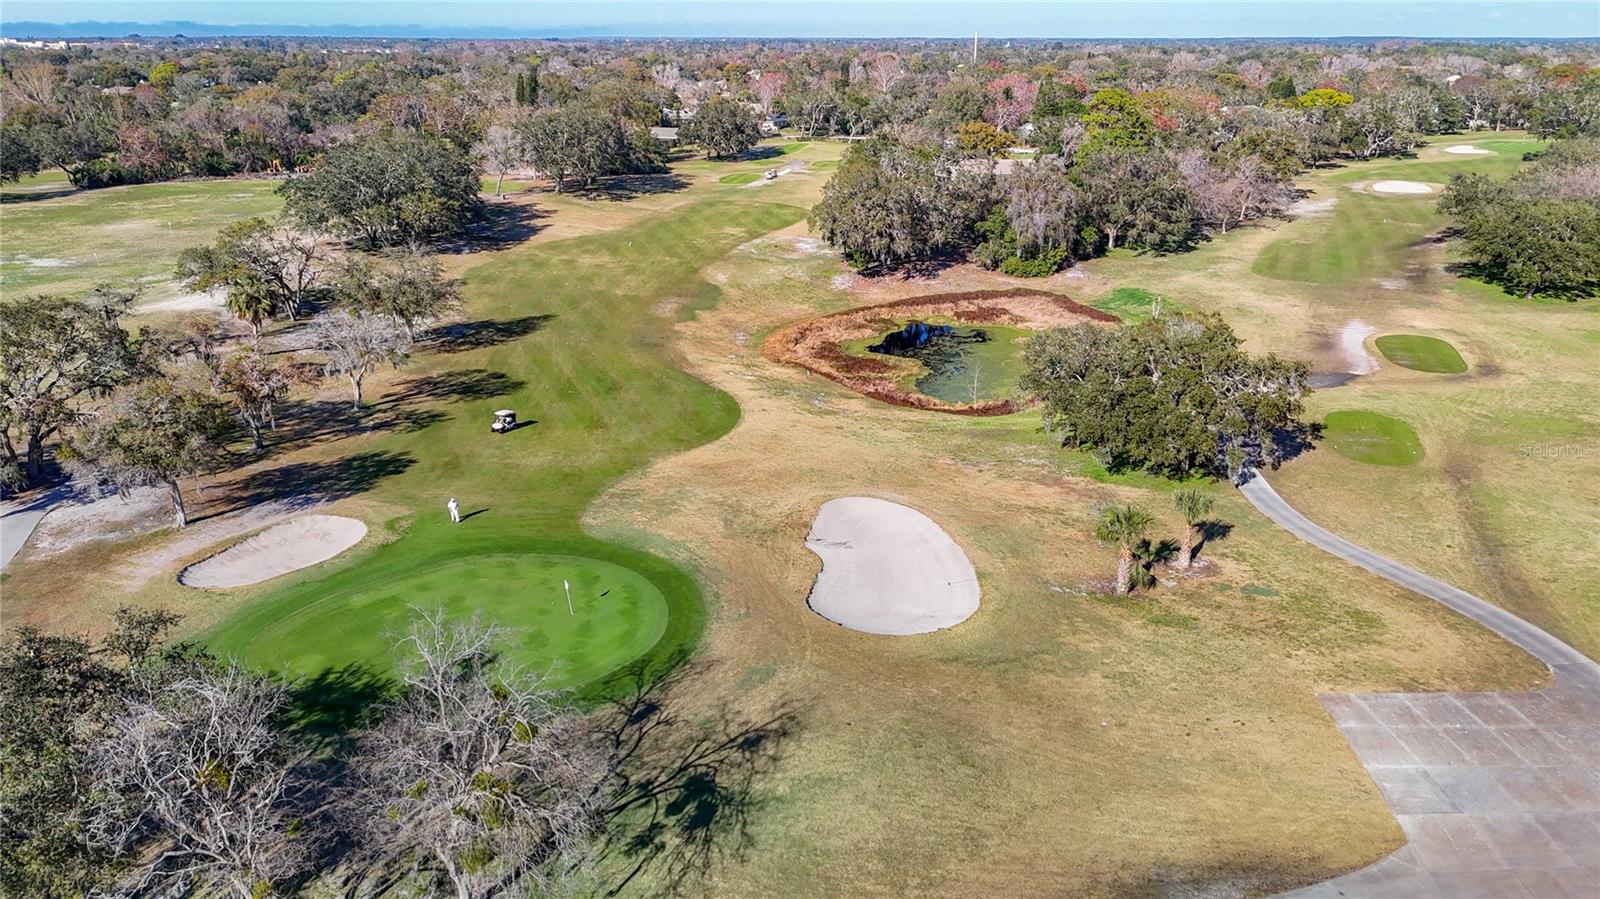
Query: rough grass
x=1421, y=353
x=1134, y=304
x=67, y=242
x=1372, y=437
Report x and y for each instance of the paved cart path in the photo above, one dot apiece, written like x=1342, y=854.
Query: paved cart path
x=1498, y=793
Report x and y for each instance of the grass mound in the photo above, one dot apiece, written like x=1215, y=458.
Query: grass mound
x=740, y=178
x=617, y=614
x=1133, y=304
x=1421, y=353
x=1372, y=438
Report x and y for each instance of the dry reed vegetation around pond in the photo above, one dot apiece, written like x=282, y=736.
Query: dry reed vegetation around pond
x=817, y=344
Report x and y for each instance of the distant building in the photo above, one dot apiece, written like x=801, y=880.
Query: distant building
x=663, y=133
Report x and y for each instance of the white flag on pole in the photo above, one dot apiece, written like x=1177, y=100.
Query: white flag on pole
x=568, y=587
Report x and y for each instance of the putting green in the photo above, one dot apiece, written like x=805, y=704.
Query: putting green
x=1421, y=353
x=1372, y=438
x=740, y=178
x=617, y=614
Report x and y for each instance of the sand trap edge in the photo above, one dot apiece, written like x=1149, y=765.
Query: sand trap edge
x=281, y=549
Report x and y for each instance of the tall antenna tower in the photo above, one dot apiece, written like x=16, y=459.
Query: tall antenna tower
x=974, y=48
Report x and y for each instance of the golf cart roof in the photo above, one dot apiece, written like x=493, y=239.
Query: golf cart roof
x=505, y=412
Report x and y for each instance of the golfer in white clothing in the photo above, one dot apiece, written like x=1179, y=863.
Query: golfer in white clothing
x=455, y=510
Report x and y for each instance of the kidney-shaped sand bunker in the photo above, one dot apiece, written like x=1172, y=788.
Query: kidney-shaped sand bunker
x=290, y=546
x=888, y=569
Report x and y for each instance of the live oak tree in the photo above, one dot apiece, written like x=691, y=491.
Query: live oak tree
x=152, y=433
x=889, y=204
x=574, y=142
x=407, y=285
x=479, y=773
x=58, y=694
x=722, y=128
x=357, y=342
x=1174, y=395
x=1137, y=197
x=265, y=268
x=388, y=187
x=55, y=354
x=254, y=384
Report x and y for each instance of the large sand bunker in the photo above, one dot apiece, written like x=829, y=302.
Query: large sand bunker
x=278, y=550
x=1401, y=187
x=888, y=569
x=1468, y=150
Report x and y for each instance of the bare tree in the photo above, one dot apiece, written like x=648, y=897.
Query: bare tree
x=500, y=151
x=357, y=342
x=195, y=788
x=482, y=775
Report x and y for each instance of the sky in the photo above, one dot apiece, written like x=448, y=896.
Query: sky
x=874, y=18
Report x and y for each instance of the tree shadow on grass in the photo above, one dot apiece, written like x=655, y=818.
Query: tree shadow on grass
x=327, y=708
x=500, y=225
x=306, y=484
x=460, y=337
x=689, y=787
x=627, y=187
x=460, y=384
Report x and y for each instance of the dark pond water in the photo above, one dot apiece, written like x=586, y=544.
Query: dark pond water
x=964, y=365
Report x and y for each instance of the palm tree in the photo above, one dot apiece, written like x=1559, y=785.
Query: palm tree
x=251, y=300
x=1123, y=526
x=1194, y=506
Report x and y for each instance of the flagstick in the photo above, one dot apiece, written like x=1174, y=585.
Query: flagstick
x=569, y=596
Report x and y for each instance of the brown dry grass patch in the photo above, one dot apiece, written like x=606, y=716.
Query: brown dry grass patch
x=817, y=344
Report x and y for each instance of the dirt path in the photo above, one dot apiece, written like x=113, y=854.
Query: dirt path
x=1498, y=793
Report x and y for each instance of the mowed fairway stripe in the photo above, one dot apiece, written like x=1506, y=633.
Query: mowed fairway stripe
x=598, y=382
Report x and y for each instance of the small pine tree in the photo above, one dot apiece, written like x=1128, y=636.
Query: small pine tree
x=522, y=90
x=533, y=85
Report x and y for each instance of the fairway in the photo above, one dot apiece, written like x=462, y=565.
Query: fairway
x=1372, y=438
x=599, y=398
x=125, y=236
x=740, y=178
x=617, y=614
x=1421, y=353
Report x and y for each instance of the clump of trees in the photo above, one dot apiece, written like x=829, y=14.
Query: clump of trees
x=385, y=188
x=722, y=128
x=1174, y=395
x=58, y=355
x=138, y=767
x=1126, y=527
x=888, y=204
x=1537, y=232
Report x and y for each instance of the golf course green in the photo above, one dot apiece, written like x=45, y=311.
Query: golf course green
x=1421, y=353
x=615, y=613
x=1372, y=438
x=567, y=335
x=740, y=178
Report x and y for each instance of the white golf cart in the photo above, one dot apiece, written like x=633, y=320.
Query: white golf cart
x=505, y=421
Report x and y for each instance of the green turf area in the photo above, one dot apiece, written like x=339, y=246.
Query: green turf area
x=122, y=235
x=1372, y=438
x=740, y=178
x=617, y=613
x=1421, y=353
x=592, y=379
x=1133, y=304
x=795, y=147
x=823, y=165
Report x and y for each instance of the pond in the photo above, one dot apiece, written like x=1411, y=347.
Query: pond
x=961, y=364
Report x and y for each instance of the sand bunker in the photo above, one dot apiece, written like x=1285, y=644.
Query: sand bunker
x=1401, y=187
x=888, y=569
x=1469, y=150
x=278, y=550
